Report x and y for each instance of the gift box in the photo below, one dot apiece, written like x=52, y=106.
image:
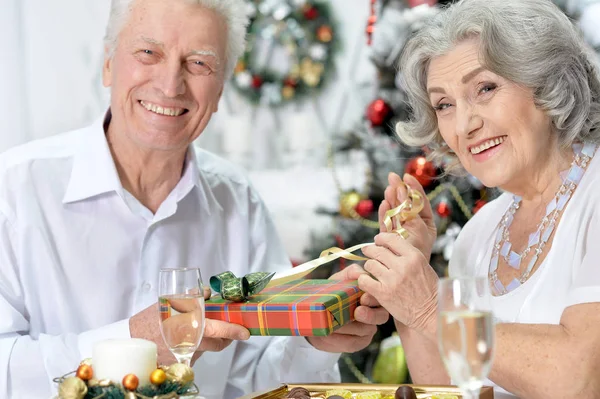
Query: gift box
x=297, y=308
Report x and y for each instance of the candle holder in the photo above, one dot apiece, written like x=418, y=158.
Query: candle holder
x=166, y=382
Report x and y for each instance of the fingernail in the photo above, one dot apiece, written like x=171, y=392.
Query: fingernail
x=399, y=194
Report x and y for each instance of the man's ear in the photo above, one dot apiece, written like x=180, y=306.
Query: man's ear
x=107, y=68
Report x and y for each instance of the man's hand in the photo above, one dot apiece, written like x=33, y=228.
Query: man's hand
x=358, y=334
x=218, y=335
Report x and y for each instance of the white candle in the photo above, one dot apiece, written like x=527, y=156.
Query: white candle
x=114, y=359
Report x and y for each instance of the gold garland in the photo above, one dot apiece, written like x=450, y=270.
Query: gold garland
x=355, y=370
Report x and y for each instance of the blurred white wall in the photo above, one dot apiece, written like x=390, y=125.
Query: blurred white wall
x=50, y=82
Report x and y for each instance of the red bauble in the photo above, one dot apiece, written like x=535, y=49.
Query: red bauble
x=378, y=112
x=478, y=205
x=364, y=208
x=422, y=170
x=310, y=13
x=414, y=3
x=257, y=82
x=443, y=209
x=291, y=82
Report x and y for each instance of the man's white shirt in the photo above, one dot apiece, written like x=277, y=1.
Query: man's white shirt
x=79, y=256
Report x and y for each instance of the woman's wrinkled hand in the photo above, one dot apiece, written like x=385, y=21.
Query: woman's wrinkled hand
x=402, y=281
x=422, y=230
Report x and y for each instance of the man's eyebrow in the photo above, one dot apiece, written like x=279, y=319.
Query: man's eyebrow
x=204, y=52
x=153, y=41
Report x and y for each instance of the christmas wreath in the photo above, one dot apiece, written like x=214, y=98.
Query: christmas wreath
x=290, y=51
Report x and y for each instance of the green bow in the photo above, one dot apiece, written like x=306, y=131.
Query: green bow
x=238, y=289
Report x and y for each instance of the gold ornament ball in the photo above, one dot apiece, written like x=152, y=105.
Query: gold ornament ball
x=240, y=67
x=348, y=202
x=288, y=92
x=158, y=376
x=180, y=373
x=325, y=33
x=72, y=388
x=85, y=372
x=131, y=382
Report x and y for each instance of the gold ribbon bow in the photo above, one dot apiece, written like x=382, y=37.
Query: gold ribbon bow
x=407, y=210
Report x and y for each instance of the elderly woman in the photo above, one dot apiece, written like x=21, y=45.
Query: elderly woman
x=508, y=90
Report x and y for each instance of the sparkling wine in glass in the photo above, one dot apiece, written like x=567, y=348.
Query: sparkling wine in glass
x=181, y=309
x=466, y=332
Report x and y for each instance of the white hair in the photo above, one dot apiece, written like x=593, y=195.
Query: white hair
x=530, y=42
x=233, y=11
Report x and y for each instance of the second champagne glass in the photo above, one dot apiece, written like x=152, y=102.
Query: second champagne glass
x=466, y=332
x=181, y=308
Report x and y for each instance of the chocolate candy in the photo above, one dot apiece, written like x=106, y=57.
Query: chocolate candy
x=299, y=393
x=405, y=392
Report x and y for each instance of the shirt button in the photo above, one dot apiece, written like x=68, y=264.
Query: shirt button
x=146, y=287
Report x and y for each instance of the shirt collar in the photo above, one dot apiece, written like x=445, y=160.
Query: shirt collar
x=94, y=172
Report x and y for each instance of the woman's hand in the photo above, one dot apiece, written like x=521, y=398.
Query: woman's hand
x=422, y=230
x=405, y=285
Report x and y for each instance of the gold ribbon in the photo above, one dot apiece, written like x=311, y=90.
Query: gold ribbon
x=407, y=210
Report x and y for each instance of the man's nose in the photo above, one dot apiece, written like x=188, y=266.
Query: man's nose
x=171, y=80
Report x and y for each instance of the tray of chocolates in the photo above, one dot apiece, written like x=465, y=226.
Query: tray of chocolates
x=365, y=391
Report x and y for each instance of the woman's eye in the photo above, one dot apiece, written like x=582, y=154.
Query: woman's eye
x=441, y=107
x=486, y=88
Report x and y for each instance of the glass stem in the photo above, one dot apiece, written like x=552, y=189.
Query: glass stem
x=185, y=360
x=471, y=393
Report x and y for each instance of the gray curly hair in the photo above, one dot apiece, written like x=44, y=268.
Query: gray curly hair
x=532, y=43
x=234, y=12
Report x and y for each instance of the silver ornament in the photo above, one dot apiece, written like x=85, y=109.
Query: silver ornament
x=244, y=79
x=318, y=52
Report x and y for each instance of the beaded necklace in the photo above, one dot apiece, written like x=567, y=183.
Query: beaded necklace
x=502, y=245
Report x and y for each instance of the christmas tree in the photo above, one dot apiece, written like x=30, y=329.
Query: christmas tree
x=454, y=199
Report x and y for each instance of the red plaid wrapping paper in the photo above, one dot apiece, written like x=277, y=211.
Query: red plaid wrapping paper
x=301, y=308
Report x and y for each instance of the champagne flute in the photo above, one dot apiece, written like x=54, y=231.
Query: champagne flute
x=181, y=309
x=466, y=332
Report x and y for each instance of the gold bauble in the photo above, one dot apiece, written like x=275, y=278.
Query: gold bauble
x=93, y=383
x=325, y=33
x=85, y=372
x=104, y=383
x=349, y=201
x=240, y=67
x=180, y=373
x=288, y=92
x=72, y=388
x=130, y=395
x=158, y=376
x=311, y=79
x=131, y=382
x=311, y=72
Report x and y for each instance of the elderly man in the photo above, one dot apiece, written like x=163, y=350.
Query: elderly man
x=88, y=218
